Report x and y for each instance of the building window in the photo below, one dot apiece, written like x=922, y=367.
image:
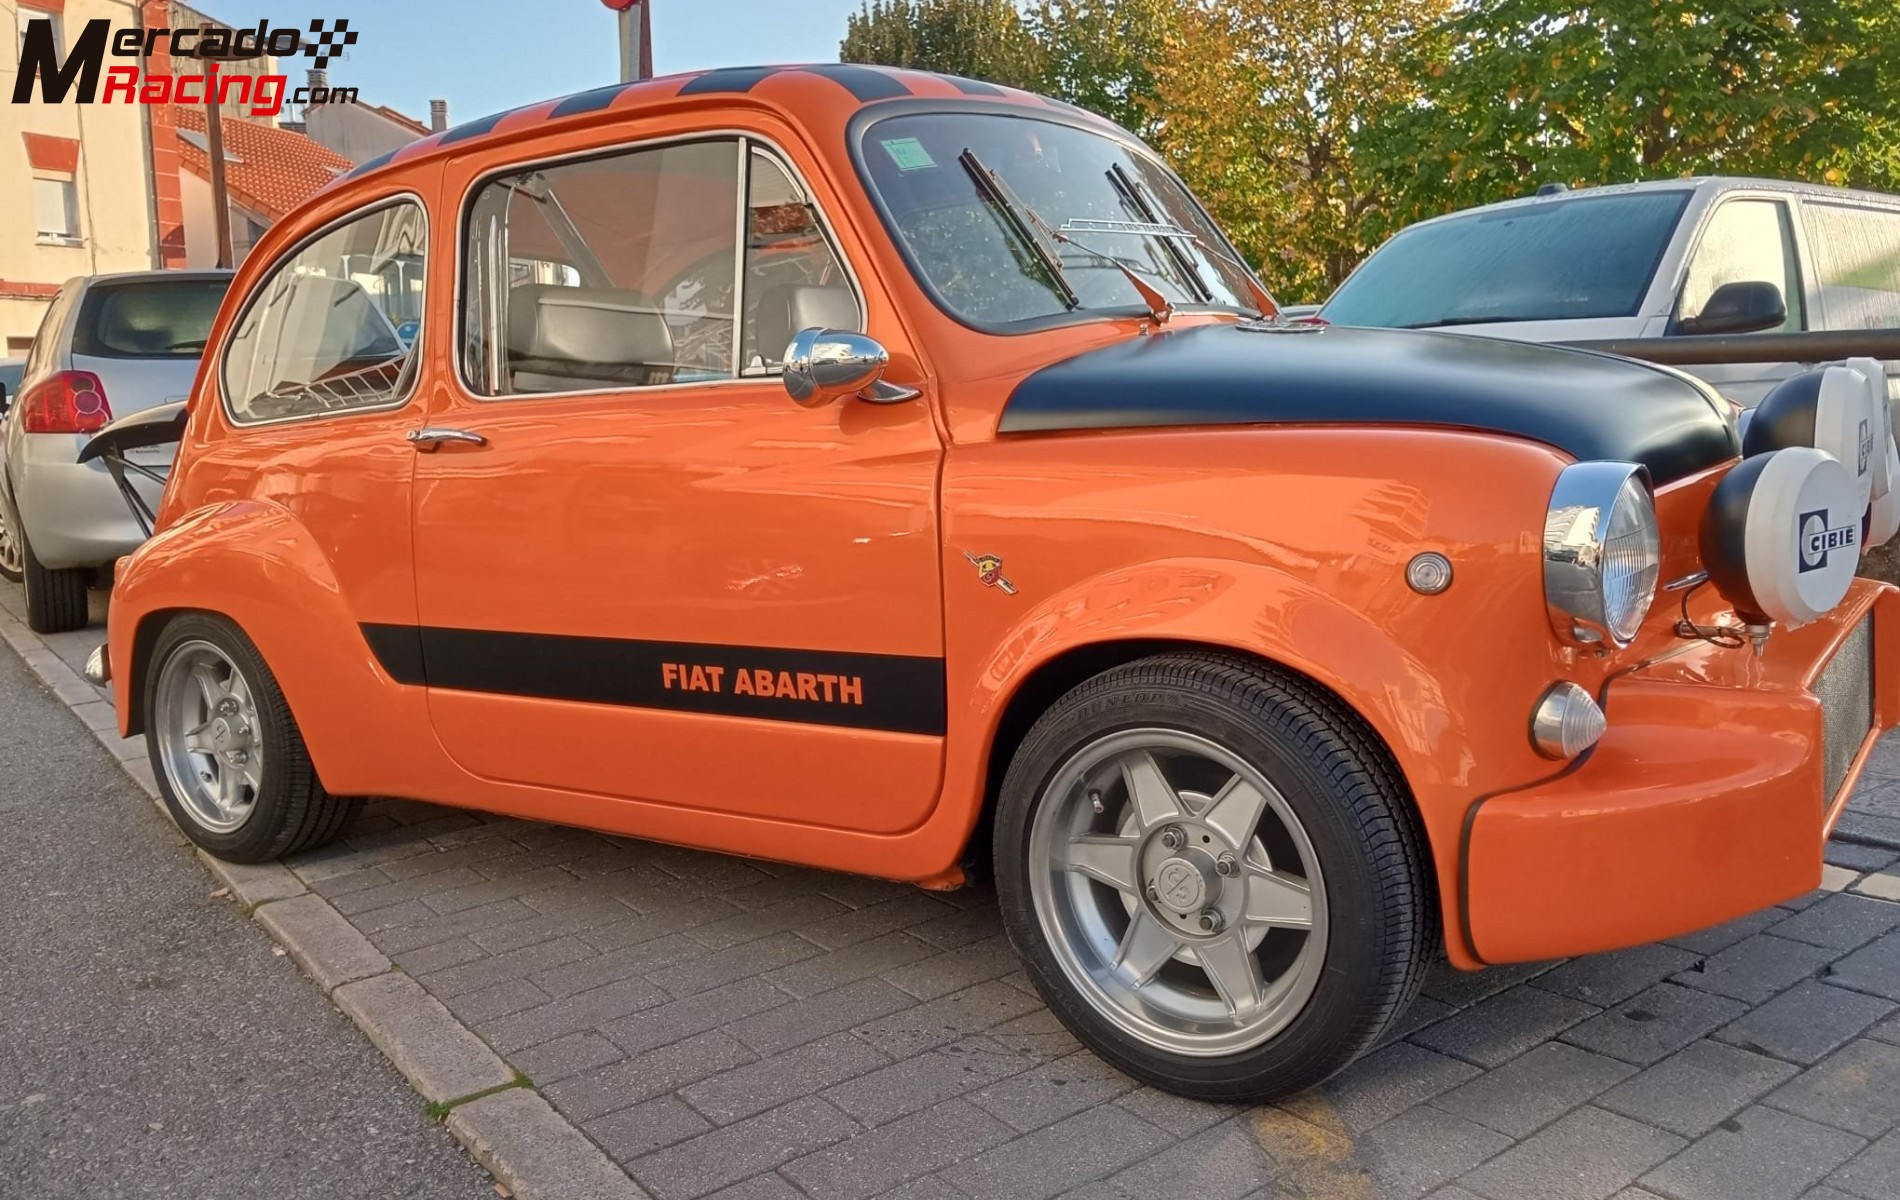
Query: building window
x=53, y=19
x=56, y=205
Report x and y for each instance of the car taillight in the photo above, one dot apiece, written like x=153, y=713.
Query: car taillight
x=69, y=402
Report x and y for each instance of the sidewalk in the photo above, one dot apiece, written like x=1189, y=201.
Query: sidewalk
x=747, y=1029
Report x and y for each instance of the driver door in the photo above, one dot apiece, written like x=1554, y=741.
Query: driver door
x=642, y=571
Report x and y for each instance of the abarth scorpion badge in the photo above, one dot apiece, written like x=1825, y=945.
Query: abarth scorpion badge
x=989, y=569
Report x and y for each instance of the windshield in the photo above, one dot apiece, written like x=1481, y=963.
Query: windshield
x=1556, y=260
x=154, y=318
x=988, y=252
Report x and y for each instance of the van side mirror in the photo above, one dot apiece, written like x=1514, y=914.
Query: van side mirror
x=823, y=365
x=1741, y=307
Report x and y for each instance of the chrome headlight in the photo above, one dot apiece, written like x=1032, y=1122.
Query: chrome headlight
x=1602, y=552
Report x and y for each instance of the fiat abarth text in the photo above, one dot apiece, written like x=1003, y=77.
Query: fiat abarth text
x=899, y=474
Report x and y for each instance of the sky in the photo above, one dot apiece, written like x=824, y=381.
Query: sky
x=486, y=56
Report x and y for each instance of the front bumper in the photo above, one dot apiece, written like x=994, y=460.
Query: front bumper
x=1710, y=796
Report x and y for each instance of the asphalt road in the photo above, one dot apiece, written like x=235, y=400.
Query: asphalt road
x=151, y=1045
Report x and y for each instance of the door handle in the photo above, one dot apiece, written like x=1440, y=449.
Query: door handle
x=428, y=439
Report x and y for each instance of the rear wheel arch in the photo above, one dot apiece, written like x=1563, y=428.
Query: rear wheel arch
x=144, y=637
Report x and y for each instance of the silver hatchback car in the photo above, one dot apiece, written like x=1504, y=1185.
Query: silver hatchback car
x=109, y=345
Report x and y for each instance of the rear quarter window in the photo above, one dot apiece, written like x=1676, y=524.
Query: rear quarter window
x=159, y=318
x=1857, y=263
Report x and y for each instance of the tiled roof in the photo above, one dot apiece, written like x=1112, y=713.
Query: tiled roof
x=268, y=170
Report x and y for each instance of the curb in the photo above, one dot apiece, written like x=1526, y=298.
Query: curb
x=490, y=1108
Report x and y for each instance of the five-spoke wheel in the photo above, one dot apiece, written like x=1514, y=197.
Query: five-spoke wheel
x=1213, y=874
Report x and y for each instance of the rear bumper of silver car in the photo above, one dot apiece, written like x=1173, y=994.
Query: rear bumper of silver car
x=72, y=512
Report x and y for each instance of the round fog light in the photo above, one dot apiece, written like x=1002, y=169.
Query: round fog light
x=1429, y=573
x=1566, y=722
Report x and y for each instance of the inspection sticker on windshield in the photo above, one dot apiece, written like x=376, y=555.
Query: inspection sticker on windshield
x=908, y=153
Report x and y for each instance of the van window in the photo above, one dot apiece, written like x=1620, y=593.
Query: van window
x=1746, y=241
x=1857, y=264
x=334, y=327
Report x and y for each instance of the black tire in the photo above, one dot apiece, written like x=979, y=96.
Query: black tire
x=292, y=812
x=1340, y=783
x=56, y=600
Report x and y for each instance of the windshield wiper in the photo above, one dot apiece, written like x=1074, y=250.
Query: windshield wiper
x=1264, y=303
x=1442, y=322
x=1131, y=192
x=1018, y=215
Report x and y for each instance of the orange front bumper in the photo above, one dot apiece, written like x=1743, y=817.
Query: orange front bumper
x=1707, y=798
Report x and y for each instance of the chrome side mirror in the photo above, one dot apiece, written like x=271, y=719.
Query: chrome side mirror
x=823, y=365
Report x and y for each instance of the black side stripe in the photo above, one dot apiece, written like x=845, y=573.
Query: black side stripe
x=364, y=168
x=469, y=129
x=727, y=79
x=898, y=693
x=592, y=100
x=865, y=83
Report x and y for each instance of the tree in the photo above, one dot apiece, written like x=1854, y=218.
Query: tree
x=1608, y=91
x=1259, y=105
x=981, y=39
x=1101, y=54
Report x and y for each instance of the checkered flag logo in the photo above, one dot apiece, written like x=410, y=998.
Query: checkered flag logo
x=326, y=44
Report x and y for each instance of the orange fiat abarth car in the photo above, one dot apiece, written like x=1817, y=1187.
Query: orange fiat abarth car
x=898, y=474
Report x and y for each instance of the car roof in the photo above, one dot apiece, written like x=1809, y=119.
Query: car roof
x=1712, y=184
x=82, y=283
x=810, y=90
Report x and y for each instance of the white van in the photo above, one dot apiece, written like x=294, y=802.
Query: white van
x=1645, y=260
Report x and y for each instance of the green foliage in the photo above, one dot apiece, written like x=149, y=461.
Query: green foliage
x=1608, y=91
x=981, y=39
x=1102, y=54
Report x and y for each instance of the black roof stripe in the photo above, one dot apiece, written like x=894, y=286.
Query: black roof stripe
x=592, y=100
x=469, y=129
x=865, y=83
x=727, y=79
x=364, y=168
x=972, y=87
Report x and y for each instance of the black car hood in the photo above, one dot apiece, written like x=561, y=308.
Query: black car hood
x=1590, y=406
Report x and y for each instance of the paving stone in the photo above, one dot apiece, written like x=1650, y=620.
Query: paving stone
x=1089, y=1145
x=439, y=1057
x=874, y=1163
x=254, y=883
x=942, y=974
x=1888, y=1030
x=474, y=1008
x=918, y=1082
x=651, y=1028
x=1046, y=1094
x=1693, y=1090
x=786, y=1023
x=1756, y=968
x=1841, y=921
x=1856, y=857
x=1608, y=979
x=1038, y=1035
x=571, y=1014
x=1654, y=1024
x=643, y=1076
x=1806, y=1022
x=1416, y=1151
x=692, y=976
x=494, y=968
x=350, y=901
x=741, y=1092
x=1718, y=938
x=1224, y=1162
x=763, y=1187
x=1534, y=1089
x=644, y=959
x=1422, y=1011
x=1501, y=1027
x=783, y=917
x=1586, y=1155
x=959, y=927
x=853, y=961
x=1174, y=1114
x=739, y=1151
x=648, y=1126
x=1760, y=1154
x=1874, y=1173
x=972, y=1010
x=427, y=960
x=564, y=1056
x=437, y=928
x=603, y=912
x=875, y=920
x=539, y=1156
x=1380, y=1086
x=328, y=948
x=1873, y=968
x=1856, y=1088
x=1884, y=885
x=1461, y=989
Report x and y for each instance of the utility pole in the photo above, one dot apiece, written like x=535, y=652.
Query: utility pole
x=214, y=148
x=636, y=38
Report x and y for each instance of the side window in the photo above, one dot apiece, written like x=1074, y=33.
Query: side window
x=1857, y=264
x=1746, y=241
x=685, y=263
x=334, y=327
x=793, y=279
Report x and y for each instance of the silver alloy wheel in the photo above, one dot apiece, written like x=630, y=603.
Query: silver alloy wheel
x=1179, y=892
x=206, y=724
x=12, y=561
